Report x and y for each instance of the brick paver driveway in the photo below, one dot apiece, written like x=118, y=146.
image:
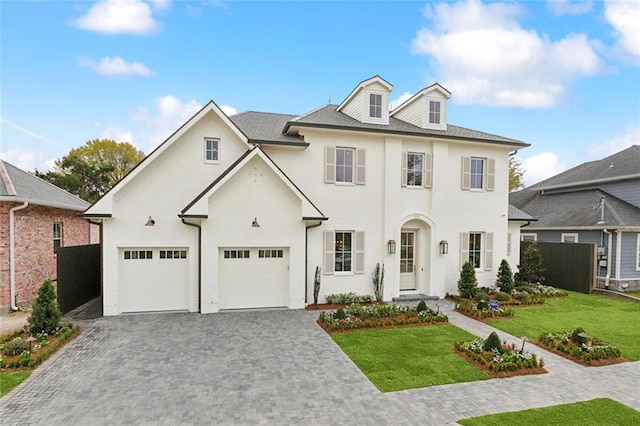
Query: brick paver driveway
x=261, y=367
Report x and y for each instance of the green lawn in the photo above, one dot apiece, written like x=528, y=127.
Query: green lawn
x=612, y=320
x=601, y=412
x=413, y=357
x=11, y=379
x=634, y=293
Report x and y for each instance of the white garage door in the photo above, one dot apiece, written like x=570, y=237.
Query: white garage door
x=153, y=279
x=253, y=278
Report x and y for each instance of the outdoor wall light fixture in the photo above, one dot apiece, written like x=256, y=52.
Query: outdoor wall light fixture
x=391, y=247
x=444, y=247
x=150, y=222
x=255, y=223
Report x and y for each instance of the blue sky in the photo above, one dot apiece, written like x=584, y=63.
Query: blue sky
x=563, y=76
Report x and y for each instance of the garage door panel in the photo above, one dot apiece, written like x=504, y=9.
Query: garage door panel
x=158, y=283
x=250, y=279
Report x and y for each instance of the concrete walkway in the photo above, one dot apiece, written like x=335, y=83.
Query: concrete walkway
x=267, y=367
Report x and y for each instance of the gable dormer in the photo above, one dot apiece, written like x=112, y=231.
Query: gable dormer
x=426, y=109
x=369, y=101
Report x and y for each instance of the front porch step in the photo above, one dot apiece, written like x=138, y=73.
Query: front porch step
x=414, y=297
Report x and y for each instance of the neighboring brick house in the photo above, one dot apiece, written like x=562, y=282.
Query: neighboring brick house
x=36, y=217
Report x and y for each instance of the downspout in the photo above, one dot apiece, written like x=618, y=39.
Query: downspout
x=306, y=260
x=199, y=262
x=610, y=241
x=12, y=253
x=618, y=252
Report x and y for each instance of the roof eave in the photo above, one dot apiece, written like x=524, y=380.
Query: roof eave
x=587, y=182
x=63, y=206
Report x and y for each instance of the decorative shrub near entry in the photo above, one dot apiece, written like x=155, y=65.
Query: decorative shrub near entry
x=356, y=317
x=496, y=357
x=348, y=298
x=469, y=308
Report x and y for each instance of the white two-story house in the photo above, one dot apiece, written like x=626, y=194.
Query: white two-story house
x=237, y=212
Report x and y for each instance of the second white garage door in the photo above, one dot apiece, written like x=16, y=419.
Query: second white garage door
x=253, y=277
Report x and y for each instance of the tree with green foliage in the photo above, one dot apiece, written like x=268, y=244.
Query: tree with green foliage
x=468, y=283
x=45, y=316
x=516, y=173
x=92, y=169
x=504, y=280
x=531, y=269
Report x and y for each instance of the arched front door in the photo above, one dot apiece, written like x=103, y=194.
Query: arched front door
x=408, y=258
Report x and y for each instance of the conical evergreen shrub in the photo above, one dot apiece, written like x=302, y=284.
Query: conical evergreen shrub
x=45, y=316
x=468, y=283
x=504, y=280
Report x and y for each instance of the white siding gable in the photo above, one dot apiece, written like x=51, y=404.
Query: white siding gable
x=418, y=110
x=358, y=104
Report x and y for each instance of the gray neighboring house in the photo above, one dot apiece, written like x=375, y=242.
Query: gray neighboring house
x=596, y=202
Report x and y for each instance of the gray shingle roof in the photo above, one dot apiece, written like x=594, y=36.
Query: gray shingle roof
x=517, y=214
x=265, y=127
x=327, y=116
x=261, y=127
x=619, y=165
x=20, y=186
x=578, y=209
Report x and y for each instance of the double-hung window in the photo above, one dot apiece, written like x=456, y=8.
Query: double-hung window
x=211, y=150
x=415, y=167
x=434, y=112
x=343, y=252
x=478, y=173
x=344, y=165
x=57, y=235
x=375, y=105
x=477, y=248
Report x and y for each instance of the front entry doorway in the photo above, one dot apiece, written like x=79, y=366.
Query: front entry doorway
x=408, y=251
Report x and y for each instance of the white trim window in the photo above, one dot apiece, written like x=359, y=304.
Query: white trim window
x=416, y=169
x=478, y=173
x=569, y=237
x=344, y=165
x=638, y=253
x=57, y=235
x=530, y=237
x=211, y=150
x=343, y=252
x=434, y=112
x=477, y=248
x=375, y=105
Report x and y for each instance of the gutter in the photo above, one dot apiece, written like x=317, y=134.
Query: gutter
x=12, y=253
x=199, y=261
x=618, y=252
x=306, y=259
x=608, y=276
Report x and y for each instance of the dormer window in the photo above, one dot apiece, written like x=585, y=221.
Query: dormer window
x=375, y=105
x=434, y=112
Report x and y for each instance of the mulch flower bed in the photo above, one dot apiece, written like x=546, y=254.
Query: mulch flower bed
x=578, y=347
x=334, y=306
x=31, y=351
x=501, y=374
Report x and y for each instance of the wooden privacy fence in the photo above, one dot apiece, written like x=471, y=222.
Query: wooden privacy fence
x=78, y=275
x=570, y=266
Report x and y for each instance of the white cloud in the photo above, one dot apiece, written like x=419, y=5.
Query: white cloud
x=624, y=16
x=569, y=7
x=229, y=110
x=401, y=99
x=170, y=113
x=121, y=17
x=484, y=56
x=116, y=67
x=615, y=144
x=540, y=167
x=27, y=160
x=118, y=135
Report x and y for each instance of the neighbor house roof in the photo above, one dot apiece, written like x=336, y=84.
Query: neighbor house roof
x=328, y=117
x=621, y=165
x=517, y=214
x=580, y=209
x=19, y=186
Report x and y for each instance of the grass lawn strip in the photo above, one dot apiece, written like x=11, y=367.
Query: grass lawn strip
x=601, y=411
x=406, y=358
x=613, y=320
x=11, y=379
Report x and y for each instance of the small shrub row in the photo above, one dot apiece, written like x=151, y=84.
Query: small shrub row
x=348, y=298
x=497, y=356
x=374, y=316
x=481, y=310
x=18, y=352
x=578, y=345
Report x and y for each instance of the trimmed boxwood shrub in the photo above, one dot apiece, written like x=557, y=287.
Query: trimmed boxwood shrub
x=501, y=296
x=493, y=342
x=422, y=306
